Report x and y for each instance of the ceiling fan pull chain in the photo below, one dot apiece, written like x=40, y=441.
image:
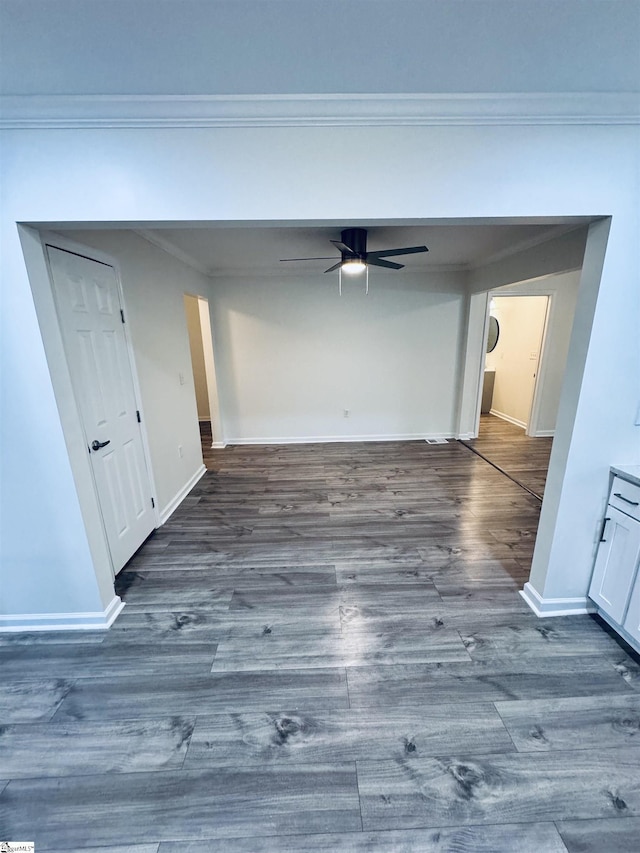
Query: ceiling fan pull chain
x=366, y=285
x=340, y=281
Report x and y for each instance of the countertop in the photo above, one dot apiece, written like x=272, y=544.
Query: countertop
x=631, y=473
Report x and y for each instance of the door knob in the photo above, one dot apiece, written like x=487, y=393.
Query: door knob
x=96, y=445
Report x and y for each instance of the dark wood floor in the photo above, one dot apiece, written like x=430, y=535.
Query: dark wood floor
x=324, y=649
x=508, y=447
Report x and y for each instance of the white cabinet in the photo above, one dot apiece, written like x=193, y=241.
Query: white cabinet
x=632, y=622
x=616, y=564
x=615, y=584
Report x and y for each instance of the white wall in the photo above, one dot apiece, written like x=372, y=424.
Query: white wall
x=563, y=292
x=292, y=355
x=296, y=174
x=154, y=283
x=47, y=563
x=599, y=397
x=192, y=312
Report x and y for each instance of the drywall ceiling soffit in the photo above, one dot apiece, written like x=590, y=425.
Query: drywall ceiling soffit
x=348, y=110
x=250, y=251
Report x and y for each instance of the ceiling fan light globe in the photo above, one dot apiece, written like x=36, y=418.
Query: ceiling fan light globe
x=353, y=267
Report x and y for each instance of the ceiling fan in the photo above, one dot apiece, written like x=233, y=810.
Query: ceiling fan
x=355, y=258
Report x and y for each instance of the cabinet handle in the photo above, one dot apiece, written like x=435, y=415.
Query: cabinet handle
x=604, y=527
x=626, y=500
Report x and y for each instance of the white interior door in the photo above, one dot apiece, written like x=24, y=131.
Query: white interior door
x=88, y=304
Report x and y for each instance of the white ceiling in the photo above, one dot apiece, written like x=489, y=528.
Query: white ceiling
x=235, y=250
x=181, y=47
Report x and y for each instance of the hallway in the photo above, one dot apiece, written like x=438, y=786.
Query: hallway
x=324, y=649
x=509, y=448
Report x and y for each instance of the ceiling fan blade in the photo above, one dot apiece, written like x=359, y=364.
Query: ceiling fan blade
x=330, y=258
x=379, y=262
x=388, y=253
x=343, y=247
x=334, y=267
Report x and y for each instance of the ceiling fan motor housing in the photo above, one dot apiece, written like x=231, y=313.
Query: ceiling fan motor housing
x=356, y=239
x=353, y=248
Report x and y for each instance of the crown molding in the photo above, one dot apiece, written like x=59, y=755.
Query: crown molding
x=529, y=243
x=251, y=273
x=160, y=242
x=140, y=111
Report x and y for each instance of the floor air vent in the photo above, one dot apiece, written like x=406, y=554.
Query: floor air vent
x=437, y=441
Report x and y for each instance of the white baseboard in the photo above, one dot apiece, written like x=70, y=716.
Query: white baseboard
x=508, y=418
x=544, y=607
x=331, y=439
x=218, y=445
x=543, y=433
x=173, y=504
x=30, y=622
x=466, y=436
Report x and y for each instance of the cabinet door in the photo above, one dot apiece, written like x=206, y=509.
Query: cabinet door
x=632, y=622
x=616, y=564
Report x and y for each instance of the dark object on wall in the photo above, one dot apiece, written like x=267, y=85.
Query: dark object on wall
x=353, y=248
x=494, y=334
x=487, y=391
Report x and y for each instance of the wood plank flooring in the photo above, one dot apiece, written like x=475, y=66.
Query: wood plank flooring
x=522, y=457
x=324, y=649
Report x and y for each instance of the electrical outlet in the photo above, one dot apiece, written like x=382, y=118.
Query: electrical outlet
x=181, y=378
x=180, y=451
x=346, y=413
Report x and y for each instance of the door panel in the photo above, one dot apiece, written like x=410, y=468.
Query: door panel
x=132, y=466
x=96, y=410
x=116, y=497
x=88, y=304
x=632, y=622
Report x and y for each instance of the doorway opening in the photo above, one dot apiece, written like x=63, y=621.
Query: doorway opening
x=509, y=413
x=204, y=374
x=474, y=301
x=527, y=330
x=512, y=363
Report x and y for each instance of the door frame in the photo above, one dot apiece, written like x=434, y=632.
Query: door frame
x=54, y=336
x=531, y=428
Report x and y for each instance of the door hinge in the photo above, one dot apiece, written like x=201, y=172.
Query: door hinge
x=153, y=503
x=122, y=315
x=138, y=416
